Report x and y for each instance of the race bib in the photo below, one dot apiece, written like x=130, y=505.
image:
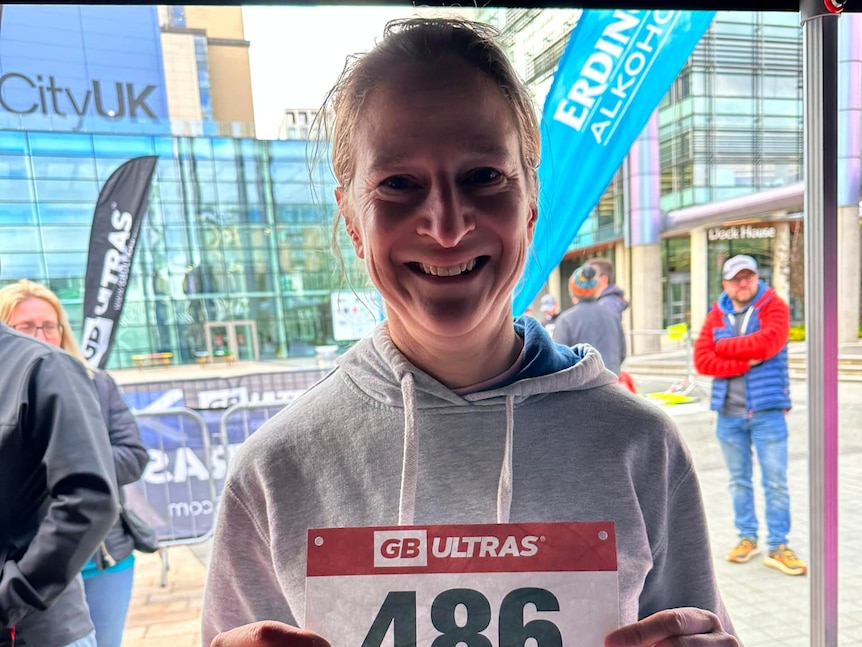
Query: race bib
x=488, y=585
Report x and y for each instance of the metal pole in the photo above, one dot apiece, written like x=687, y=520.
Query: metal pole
x=820, y=77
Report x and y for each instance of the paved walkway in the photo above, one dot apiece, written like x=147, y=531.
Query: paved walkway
x=769, y=609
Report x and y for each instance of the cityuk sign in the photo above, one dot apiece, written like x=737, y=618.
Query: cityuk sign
x=25, y=95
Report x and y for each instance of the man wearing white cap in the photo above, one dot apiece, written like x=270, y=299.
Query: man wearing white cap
x=743, y=346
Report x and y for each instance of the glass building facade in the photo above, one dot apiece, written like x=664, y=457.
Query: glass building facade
x=234, y=233
x=731, y=124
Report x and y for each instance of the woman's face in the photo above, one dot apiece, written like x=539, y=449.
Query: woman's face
x=37, y=317
x=440, y=206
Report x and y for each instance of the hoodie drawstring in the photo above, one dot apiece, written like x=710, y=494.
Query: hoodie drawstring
x=410, y=459
x=504, y=489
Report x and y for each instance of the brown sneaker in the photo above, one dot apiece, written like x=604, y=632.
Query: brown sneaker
x=743, y=551
x=785, y=560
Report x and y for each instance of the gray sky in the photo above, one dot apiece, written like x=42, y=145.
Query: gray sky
x=297, y=53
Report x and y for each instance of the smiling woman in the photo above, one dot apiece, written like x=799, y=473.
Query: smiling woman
x=439, y=417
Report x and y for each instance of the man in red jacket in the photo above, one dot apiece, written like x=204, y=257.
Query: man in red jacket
x=743, y=346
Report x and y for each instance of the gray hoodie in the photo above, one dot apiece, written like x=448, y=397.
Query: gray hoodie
x=379, y=442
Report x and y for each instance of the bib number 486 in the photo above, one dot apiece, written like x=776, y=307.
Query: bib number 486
x=399, y=611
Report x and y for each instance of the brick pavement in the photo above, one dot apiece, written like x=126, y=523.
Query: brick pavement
x=769, y=609
x=167, y=616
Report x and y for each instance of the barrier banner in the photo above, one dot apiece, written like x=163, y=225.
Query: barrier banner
x=617, y=66
x=117, y=219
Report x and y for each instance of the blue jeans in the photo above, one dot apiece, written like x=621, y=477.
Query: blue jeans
x=108, y=596
x=766, y=431
x=87, y=641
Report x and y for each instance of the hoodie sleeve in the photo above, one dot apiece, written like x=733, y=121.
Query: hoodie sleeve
x=764, y=343
x=242, y=586
x=676, y=580
x=60, y=418
x=707, y=359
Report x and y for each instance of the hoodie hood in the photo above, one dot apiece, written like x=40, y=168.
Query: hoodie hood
x=379, y=369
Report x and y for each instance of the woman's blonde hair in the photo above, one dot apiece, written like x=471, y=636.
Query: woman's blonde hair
x=12, y=295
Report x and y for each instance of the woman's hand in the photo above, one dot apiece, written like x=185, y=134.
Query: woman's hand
x=268, y=634
x=686, y=626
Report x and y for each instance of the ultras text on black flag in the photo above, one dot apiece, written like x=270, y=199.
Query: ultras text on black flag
x=116, y=222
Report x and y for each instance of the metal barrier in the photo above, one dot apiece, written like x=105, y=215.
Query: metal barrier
x=176, y=494
x=677, y=336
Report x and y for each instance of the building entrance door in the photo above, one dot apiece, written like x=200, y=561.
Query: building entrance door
x=235, y=338
x=678, y=299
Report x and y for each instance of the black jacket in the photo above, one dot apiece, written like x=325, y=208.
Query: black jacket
x=130, y=459
x=57, y=489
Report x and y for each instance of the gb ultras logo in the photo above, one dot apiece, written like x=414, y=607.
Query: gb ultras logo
x=399, y=548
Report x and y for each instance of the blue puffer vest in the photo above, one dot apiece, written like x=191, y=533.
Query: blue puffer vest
x=767, y=385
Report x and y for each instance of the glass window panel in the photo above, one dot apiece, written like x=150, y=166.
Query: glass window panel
x=172, y=214
x=228, y=192
x=206, y=193
x=64, y=167
x=250, y=170
x=126, y=147
x=725, y=27
x=781, y=33
x=26, y=265
x=783, y=87
x=788, y=19
x=13, y=166
x=63, y=190
x=12, y=213
x=60, y=144
x=289, y=173
x=249, y=148
x=198, y=169
x=66, y=238
x=253, y=193
x=226, y=171
x=167, y=169
x=168, y=191
x=725, y=193
x=14, y=143
x=69, y=288
x=202, y=148
x=66, y=264
x=737, y=106
x=17, y=239
x=290, y=193
x=17, y=189
x=58, y=212
x=283, y=151
x=174, y=238
x=224, y=149
x=782, y=107
x=732, y=85
x=792, y=124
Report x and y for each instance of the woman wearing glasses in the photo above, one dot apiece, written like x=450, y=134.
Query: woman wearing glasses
x=35, y=310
